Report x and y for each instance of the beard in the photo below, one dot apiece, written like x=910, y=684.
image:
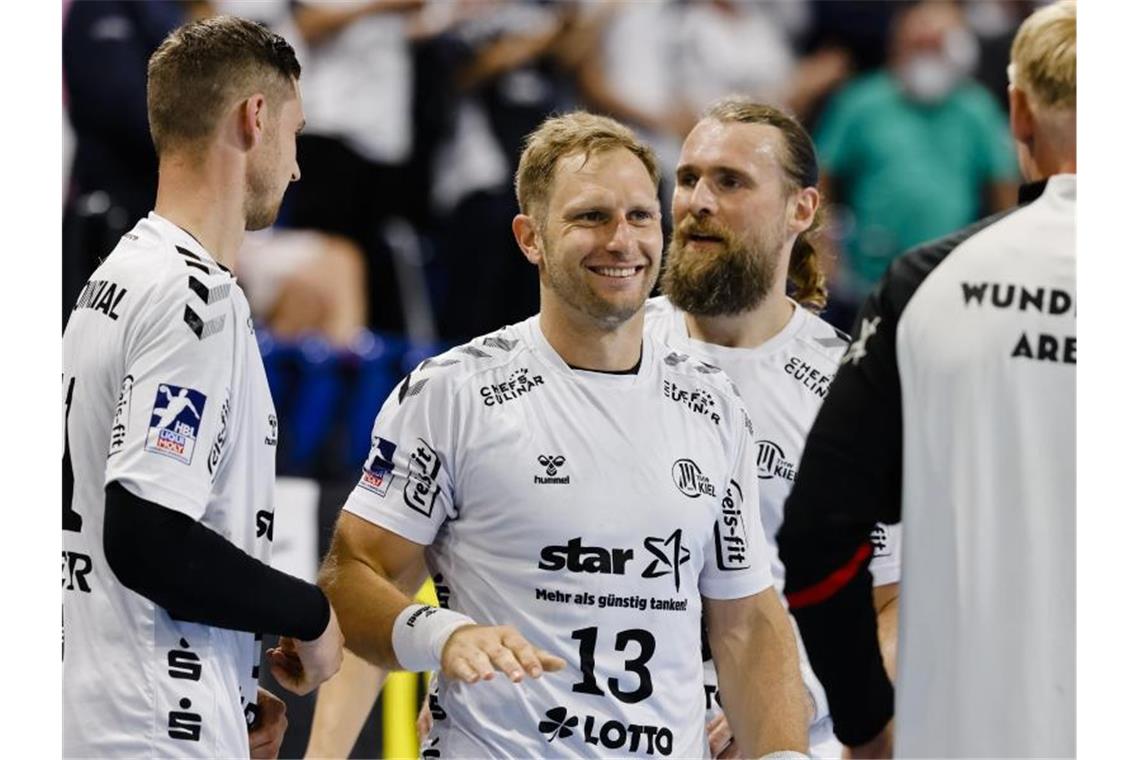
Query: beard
x=725, y=281
x=262, y=197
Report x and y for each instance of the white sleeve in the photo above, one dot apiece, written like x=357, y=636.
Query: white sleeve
x=737, y=559
x=886, y=564
x=173, y=397
x=406, y=483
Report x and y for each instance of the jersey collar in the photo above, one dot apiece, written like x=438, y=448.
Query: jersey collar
x=553, y=359
x=183, y=239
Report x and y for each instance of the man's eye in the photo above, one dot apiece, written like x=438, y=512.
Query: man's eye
x=592, y=216
x=641, y=215
x=686, y=180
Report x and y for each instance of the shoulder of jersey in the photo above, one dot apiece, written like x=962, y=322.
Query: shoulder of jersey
x=683, y=366
x=170, y=275
x=823, y=339
x=658, y=312
x=458, y=365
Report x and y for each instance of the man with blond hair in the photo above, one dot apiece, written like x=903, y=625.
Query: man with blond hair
x=743, y=286
x=580, y=494
x=955, y=410
x=170, y=434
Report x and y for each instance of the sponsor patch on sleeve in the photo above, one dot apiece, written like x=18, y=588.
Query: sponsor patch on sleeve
x=731, y=540
x=174, y=422
x=377, y=475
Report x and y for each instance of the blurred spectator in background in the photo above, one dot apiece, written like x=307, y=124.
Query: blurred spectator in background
x=298, y=283
x=356, y=150
x=915, y=150
x=114, y=172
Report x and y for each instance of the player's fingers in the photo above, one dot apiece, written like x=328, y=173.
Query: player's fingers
x=719, y=735
x=504, y=659
x=482, y=664
x=550, y=663
x=524, y=652
x=731, y=752
x=456, y=666
x=423, y=722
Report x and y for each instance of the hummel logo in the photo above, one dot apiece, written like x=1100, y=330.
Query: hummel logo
x=858, y=348
x=552, y=463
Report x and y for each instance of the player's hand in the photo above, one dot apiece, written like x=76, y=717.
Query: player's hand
x=882, y=746
x=301, y=666
x=423, y=722
x=475, y=652
x=266, y=734
x=722, y=745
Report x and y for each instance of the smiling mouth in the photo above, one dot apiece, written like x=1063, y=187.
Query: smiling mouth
x=704, y=238
x=617, y=272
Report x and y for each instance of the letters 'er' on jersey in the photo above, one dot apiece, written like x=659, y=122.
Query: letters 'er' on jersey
x=590, y=510
x=783, y=383
x=164, y=392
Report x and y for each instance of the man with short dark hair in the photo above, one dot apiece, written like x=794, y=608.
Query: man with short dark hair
x=170, y=434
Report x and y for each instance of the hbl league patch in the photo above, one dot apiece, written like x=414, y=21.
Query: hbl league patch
x=174, y=422
x=378, y=472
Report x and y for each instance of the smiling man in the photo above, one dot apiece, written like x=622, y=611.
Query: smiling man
x=576, y=596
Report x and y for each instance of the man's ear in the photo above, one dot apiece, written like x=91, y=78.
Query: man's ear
x=253, y=117
x=1021, y=121
x=804, y=205
x=528, y=237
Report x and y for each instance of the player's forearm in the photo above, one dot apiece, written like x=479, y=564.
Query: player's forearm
x=761, y=686
x=366, y=603
x=887, y=618
x=343, y=704
x=198, y=576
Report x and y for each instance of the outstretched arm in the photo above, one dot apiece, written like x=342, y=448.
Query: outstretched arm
x=343, y=704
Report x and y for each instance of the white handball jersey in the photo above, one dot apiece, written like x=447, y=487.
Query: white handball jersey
x=955, y=411
x=590, y=510
x=987, y=364
x=164, y=392
x=783, y=383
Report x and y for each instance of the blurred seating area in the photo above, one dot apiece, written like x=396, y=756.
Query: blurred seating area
x=396, y=241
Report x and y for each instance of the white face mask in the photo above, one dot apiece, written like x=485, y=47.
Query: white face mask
x=929, y=78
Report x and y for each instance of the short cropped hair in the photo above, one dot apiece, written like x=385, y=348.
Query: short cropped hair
x=801, y=169
x=567, y=135
x=204, y=67
x=1043, y=60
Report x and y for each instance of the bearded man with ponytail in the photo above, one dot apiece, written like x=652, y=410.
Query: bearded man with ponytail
x=743, y=288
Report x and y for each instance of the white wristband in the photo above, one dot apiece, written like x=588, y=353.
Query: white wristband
x=420, y=633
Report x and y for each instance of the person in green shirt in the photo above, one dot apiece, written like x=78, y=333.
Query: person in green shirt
x=915, y=150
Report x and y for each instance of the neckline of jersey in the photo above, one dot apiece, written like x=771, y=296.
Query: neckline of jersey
x=182, y=237
x=555, y=361
x=768, y=348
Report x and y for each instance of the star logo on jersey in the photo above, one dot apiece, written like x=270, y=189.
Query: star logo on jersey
x=670, y=555
x=858, y=349
x=174, y=422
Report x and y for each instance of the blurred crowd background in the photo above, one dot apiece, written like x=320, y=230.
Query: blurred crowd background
x=396, y=241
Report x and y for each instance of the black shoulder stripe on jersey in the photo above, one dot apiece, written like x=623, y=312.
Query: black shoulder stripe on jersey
x=209, y=295
x=498, y=341
x=202, y=328
x=473, y=351
x=200, y=267
x=187, y=254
